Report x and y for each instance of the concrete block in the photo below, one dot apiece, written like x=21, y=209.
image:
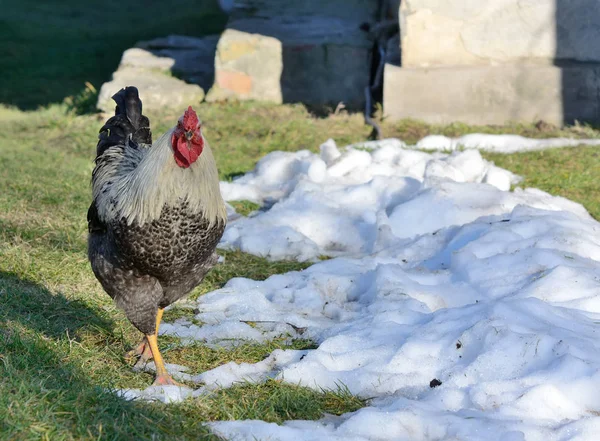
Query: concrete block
x=478, y=32
x=493, y=94
x=247, y=66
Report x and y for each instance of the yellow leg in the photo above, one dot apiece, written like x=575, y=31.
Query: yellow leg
x=162, y=376
x=142, y=350
x=159, y=315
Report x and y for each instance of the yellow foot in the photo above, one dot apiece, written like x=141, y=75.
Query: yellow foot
x=165, y=380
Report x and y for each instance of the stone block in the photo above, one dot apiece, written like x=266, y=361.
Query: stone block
x=157, y=90
x=312, y=52
x=475, y=32
x=493, y=94
x=247, y=66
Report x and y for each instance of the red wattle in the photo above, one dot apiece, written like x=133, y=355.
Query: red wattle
x=186, y=152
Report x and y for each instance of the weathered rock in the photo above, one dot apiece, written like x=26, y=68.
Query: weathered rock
x=247, y=66
x=493, y=94
x=475, y=32
x=143, y=59
x=311, y=52
x=173, y=71
x=157, y=89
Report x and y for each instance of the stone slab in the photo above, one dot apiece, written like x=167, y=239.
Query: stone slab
x=478, y=32
x=493, y=94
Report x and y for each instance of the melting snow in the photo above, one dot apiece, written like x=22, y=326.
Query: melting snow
x=352, y=203
x=438, y=272
x=499, y=143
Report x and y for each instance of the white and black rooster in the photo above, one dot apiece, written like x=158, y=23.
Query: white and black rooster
x=156, y=218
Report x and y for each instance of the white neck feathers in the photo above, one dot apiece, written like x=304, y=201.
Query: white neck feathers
x=139, y=193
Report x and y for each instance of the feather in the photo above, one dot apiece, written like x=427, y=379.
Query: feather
x=95, y=225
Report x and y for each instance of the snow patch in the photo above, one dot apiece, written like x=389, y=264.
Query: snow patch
x=438, y=273
x=498, y=143
x=362, y=193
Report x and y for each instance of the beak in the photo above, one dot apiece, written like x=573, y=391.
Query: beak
x=189, y=134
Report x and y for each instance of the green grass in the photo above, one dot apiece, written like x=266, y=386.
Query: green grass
x=411, y=131
x=572, y=173
x=238, y=264
x=49, y=49
x=272, y=401
x=199, y=358
x=244, y=207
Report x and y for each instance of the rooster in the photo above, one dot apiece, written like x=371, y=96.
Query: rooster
x=156, y=218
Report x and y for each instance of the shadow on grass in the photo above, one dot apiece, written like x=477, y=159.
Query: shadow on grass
x=37, y=309
x=45, y=389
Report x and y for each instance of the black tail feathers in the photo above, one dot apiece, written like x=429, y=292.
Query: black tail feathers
x=129, y=104
x=128, y=122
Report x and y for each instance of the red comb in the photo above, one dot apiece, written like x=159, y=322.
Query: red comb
x=190, y=119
